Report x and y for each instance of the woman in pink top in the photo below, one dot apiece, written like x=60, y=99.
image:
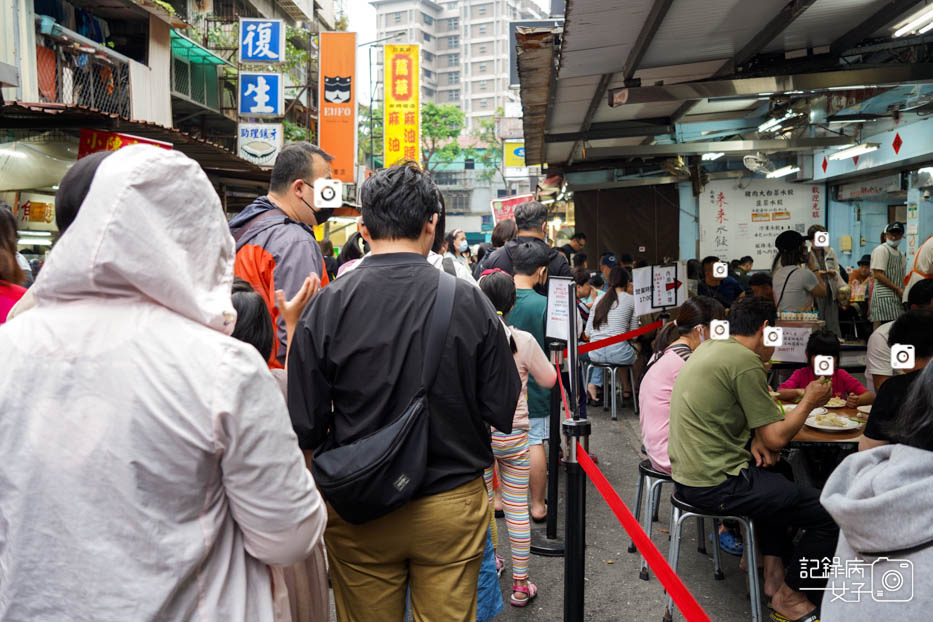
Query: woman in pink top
x=11, y=275
x=511, y=450
x=676, y=341
x=826, y=343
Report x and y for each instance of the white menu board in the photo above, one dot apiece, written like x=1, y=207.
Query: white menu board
x=667, y=290
x=744, y=217
x=558, y=307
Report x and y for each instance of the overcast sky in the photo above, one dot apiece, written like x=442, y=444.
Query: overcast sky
x=362, y=17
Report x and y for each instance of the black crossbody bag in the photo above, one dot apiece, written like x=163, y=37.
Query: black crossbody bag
x=380, y=472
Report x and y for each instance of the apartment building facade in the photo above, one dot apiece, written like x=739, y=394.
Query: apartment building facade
x=464, y=48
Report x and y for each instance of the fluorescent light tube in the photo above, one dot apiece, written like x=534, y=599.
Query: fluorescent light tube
x=783, y=172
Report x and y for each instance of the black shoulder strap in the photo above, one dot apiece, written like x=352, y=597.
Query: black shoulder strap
x=437, y=329
x=449, y=268
x=681, y=350
x=786, y=281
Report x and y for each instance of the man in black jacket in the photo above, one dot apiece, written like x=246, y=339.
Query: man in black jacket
x=530, y=218
x=356, y=361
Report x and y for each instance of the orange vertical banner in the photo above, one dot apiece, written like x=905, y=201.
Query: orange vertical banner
x=337, y=102
x=402, y=130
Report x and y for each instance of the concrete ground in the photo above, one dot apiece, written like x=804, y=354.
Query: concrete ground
x=613, y=590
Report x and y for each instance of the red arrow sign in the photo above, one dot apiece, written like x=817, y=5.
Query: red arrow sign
x=673, y=285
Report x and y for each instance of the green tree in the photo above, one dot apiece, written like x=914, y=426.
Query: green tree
x=441, y=126
x=363, y=142
x=488, y=151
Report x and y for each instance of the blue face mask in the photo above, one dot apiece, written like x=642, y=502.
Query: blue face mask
x=463, y=246
x=895, y=243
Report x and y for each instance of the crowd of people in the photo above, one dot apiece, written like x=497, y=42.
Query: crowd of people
x=206, y=421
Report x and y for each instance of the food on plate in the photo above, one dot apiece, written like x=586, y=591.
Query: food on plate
x=835, y=402
x=865, y=410
x=830, y=420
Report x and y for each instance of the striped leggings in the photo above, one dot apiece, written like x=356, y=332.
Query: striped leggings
x=511, y=452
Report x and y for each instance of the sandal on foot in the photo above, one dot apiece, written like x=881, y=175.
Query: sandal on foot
x=813, y=616
x=530, y=592
x=500, y=565
x=728, y=543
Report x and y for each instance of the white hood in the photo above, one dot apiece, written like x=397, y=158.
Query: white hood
x=131, y=242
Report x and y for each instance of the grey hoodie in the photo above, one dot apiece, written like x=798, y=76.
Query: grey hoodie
x=882, y=500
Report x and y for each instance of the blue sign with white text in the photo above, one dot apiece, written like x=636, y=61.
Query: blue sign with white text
x=261, y=94
x=261, y=40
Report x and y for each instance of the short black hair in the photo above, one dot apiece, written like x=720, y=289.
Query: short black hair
x=500, y=289
x=598, y=281
x=253, y=321
x=748, y=314
x=397, y=201
x=530, y=215
x=578, y=259
x=914, y=423
x=295, y=161
x=823, y=343
x=581, y=277
x=73, y=188
x=920, y=294
x=711, y=259
x=759, y=279
x=527, y=257
x=626, y=258
x=504, y=231
x=914, y=328
x=746, y=259
x=579, y=235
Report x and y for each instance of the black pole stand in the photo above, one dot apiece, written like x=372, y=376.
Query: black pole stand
x=576, y=430
x=550, y=545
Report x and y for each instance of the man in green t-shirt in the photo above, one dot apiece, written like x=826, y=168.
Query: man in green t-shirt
x=720, y=404
x=530, y=262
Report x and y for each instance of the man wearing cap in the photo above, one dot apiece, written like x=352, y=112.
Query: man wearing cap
x=888, y=267
x=607, y=263
x=795, y=285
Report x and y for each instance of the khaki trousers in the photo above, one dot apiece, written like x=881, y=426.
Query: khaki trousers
x=434, y=545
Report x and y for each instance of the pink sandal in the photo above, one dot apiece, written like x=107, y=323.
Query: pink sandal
x=530, y=591
x=500, y=565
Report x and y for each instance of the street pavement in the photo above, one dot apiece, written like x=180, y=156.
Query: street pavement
x=613, y=590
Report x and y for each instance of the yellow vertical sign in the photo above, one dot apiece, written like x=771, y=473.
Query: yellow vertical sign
x=402, y=115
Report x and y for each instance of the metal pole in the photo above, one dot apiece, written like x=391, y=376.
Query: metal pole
x=576, y=431
x=573, y=334
x=550, y=545
x=372, y=140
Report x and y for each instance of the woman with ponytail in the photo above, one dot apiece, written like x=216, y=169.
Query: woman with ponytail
x=613, y=314
x=674, y=345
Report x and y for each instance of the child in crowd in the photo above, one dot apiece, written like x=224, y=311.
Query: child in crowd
x=825, y=343
x=511, y=450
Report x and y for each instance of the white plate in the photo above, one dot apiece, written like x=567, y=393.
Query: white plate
x=848, y=424
x=817, y=411
x=788, y=407
x=866, y=410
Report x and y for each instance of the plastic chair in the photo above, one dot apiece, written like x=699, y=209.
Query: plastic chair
x=680, y=512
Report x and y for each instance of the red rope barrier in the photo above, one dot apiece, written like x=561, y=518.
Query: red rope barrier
x=684, y=600
x=602, y=343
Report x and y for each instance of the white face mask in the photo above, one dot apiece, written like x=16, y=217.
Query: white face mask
x=895, y=243
x=700, y=334
x=463, y=246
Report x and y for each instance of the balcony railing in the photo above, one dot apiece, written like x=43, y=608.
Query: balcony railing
x=72, y=69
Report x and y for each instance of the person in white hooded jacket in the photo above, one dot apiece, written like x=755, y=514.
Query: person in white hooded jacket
x=150, y=470
x=882, y=500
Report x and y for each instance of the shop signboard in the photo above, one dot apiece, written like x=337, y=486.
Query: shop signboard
x=870, y=188
x=745, y=218
x=503, y=208
x=402, y=134
x=259, y=143
x=337, y=101
x=92, y=141
x=261, y=41
x=659, y=287
x=261, y=94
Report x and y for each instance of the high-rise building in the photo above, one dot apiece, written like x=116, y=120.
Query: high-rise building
x=464, y=48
